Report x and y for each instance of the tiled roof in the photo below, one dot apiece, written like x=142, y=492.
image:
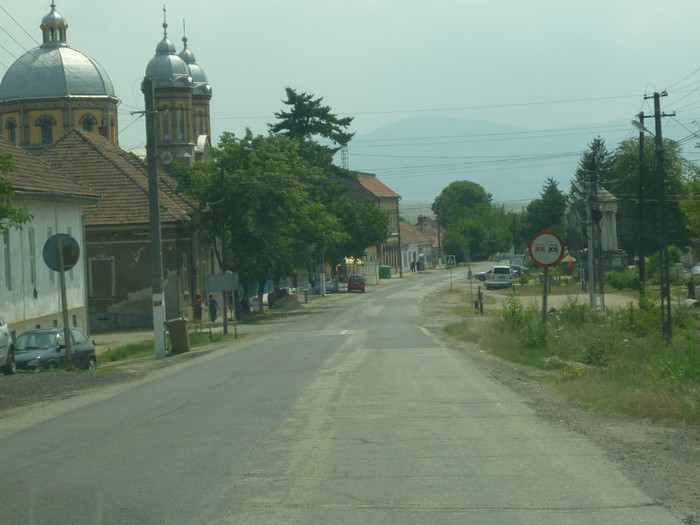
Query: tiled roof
x=376, y=187
x=409, y=235
x=32, y=174
x=120, y=177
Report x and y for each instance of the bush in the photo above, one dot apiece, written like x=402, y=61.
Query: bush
x=625, y=280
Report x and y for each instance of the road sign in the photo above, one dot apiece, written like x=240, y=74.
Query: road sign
x=69, y=247
x=450, y=260
x=546, y=249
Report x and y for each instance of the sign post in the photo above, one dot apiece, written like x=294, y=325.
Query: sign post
x=61, y=252
x=546, y=249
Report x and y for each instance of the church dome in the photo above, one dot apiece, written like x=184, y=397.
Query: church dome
x=166, y=68
x=199, y=78
x=54, y=70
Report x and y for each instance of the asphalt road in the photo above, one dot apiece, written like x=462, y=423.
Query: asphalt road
x=354, y=414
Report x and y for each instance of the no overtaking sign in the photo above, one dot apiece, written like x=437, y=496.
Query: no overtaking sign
x=546, y=249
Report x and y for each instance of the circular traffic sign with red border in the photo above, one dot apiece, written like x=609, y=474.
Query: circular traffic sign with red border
x=546, y=248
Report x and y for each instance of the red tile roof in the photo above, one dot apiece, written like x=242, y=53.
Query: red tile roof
x=376, y=187
x=34, y=175
x=120, y=177
x=409, y=234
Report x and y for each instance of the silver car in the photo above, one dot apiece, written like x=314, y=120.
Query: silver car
x=7, y=350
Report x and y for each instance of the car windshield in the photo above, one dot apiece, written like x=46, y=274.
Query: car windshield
x=35, y=341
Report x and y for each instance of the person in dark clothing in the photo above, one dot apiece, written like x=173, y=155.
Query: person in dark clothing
x=691, y=288
x=197, y=311
x=213, y=308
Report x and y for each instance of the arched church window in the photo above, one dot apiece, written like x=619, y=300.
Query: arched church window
x=166, y=123
x=51, y=34
x=46, y=122
x=200, y=123
x=60, y=34
x=88, y=122
x=181, y=122
x=11, y=127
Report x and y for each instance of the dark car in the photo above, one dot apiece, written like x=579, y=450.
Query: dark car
x=518, y=269
x=46, y=349
x=356, y=282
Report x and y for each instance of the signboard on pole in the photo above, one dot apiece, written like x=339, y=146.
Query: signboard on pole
x=450, y=261
x=546, y=249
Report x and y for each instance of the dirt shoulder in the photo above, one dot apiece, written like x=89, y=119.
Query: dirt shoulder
x=661, y=459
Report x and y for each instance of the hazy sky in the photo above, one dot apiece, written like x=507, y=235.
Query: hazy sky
x=537, y=64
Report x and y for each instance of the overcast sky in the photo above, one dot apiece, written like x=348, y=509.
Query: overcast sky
x=538, y=64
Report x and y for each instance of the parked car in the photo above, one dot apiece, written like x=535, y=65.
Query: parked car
x=356, y=282
x=7, y=350
x=695, y=270
x=482, y=276
x=518, y=270
x=46, y=349
x=500, y=277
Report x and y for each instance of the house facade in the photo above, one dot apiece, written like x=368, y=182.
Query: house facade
x=416, y=249
x=366, y=187
x=30, y=295
x=117, y=235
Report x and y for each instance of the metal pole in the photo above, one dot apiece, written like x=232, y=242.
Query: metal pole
x=154, y=215
x=544, y=295
x=64, y=301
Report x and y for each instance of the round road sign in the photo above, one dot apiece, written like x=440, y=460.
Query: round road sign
x=546, y=248
x=70, y=249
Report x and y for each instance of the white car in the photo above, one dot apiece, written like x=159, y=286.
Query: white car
x=695, y=270
x=501, y=277
x=7, y=350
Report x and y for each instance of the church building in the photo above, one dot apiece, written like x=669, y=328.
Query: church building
x=53, y=89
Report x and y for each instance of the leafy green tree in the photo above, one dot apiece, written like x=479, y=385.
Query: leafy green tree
x=308, y=121
x=690, y=205
x=10, y=217
x=594, y=167
x=272, y=222
x=624, y=185
x=548, y=212
x=465, y=208
x=365, y=225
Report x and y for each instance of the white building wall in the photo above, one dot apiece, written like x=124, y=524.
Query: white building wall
x=21, y=307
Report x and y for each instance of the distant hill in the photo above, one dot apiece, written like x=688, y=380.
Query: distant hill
x=418, y=157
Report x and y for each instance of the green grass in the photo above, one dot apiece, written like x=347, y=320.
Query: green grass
x=616, y=362
x=146, y=349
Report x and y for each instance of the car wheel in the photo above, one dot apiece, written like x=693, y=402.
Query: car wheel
x=91, y=364
x=11, y=366
x=53, y=365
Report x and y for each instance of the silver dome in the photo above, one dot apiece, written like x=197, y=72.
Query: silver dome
x=167, y=69
x=199, y=78
x=53, y=18
x=51, y=71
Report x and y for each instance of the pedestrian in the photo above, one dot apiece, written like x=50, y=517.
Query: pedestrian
x=691, y=287
x=197, y=312
x=213, y=308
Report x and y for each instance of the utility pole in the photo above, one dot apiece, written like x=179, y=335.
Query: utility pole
x=640, y=243
x=223, y=247
x=154, y=216
x=660, y=172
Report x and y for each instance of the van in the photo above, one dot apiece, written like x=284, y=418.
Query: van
x=500, y=277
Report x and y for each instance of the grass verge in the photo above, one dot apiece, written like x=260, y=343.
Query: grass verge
x=615, y=362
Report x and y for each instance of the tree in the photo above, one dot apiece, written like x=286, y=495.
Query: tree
x=10, y=217
x=624, y=184
x=690, y=205
x=272, y=222
x=547, y=212
x=307, y=121
x=365, y=225
x=465, y=208
x=594, y=169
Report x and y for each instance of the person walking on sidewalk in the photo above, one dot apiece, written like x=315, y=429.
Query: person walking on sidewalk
x=213, y=307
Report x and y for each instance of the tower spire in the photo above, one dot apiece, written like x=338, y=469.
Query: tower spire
x=165, y=22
